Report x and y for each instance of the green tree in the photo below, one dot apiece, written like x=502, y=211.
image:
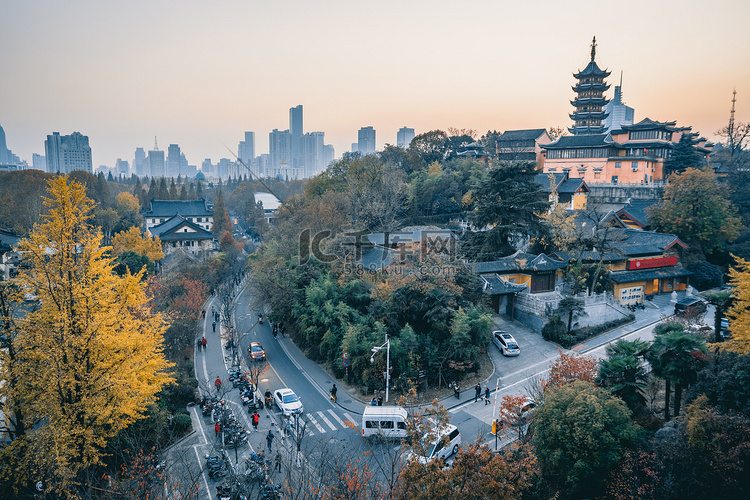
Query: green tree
x=90, y=353
x=221, y=216
x=684, y=155
x=696, y=208
x=624, y=372
x=721, y=300
x=580, y=432
x=572, y=308
x=676, y=357
x=425, y=149
x=509, y=204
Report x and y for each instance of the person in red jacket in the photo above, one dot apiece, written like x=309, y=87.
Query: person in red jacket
x=218, y=384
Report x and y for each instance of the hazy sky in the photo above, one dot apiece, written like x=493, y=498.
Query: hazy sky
x=200, y=73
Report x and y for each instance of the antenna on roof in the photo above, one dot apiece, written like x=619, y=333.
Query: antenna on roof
x=156, y=146
x=593, y=49
x=620, y=79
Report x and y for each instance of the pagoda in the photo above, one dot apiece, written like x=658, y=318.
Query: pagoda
x=590, y=114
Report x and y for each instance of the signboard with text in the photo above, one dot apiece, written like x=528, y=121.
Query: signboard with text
x=651, y=263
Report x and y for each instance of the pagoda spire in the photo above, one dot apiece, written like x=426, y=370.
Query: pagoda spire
x=593, y=49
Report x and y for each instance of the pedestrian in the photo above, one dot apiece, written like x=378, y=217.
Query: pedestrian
x=203, y=313
x=217, y=428
x=380, y=400
x=269, y=439
x=256, y=418
x=288, y=428
x=214, y=326
x=373, y=401
x=218, y=384
x=477, y=392
x=486, y=396
x=277, y=460
x=204, y=342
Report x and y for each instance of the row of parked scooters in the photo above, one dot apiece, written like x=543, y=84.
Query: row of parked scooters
x=248, y=392
x=256, y=472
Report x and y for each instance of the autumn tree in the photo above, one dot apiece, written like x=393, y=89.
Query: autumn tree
x=90, y=353
x=696, y=208
x=569, y=367
x=133, y=241
x=580, y=432
x=739, y=312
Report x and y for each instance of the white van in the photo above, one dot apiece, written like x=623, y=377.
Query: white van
x=447, y=442
x=384, y=422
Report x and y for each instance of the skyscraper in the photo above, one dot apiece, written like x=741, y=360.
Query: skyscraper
x=311, y=152
x=67, y=153
x=366, y=141
x=280, y=148
x=4, y=153
x=618, y=113
x=38, y=162
x=173, y=160
x=139, y=162
x=121, y=167
x=404, y=137
x=295, y=128
x=156, y=166
x=246, y=149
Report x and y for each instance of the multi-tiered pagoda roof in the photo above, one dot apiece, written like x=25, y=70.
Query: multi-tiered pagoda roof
x=590, y=114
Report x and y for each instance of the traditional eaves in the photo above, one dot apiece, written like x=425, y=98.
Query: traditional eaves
x=170, y=230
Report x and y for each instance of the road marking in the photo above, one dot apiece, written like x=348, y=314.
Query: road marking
x=315, y=423
x=350, y=419
x=324, y=419
x=336, y=417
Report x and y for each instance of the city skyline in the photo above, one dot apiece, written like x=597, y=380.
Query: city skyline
x=123, y=75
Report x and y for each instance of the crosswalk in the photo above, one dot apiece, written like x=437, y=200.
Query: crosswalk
x=327, y=421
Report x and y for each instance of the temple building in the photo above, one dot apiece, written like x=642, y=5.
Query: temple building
x=590, y=114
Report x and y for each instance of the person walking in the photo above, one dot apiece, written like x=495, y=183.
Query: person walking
x=218, y=384
x=256, y=419
x=213, y=325
x=486, y=396
x=203, y=313
x=277, y=460
x=288, y=428
x=269, y=439
x=204, y=342
x=217, y=428
x=477, y=392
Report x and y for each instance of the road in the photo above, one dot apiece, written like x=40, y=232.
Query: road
x=331, y=436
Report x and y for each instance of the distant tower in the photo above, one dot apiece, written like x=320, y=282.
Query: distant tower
x=366, y=141
x=617, y=112
x=590, y=100
x=4, y=153
x=157, y=168
x=295, y=128
x=730, y=128
x=67, y=153
x=139, y=162
x=404, y=137
x=173, y=160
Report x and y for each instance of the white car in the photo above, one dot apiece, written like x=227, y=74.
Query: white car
x=288, y=402
x=506, y=343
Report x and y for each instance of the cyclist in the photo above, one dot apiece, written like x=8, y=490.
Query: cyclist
x=333, y=393
x=268, y=397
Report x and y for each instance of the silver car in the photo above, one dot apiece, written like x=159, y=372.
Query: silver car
x=506, y=343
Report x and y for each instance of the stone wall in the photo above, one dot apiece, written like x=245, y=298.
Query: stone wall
x=534, y=310
x=621, y=193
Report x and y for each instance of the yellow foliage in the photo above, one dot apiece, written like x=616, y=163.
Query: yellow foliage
x=434, y=169
x=739, y=313
x=132, y=240
x=128, y=202
x=91, y=352
x=562, y=227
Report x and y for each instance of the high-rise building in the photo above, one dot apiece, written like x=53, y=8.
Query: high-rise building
x=156, y=165
x=404, y=137
x=280, y=148
x=618, y=113
x=4, y=152
x=38, y=162
x=139, y=162
x=366, y=141
x=121, y=167
x=295, y=128
x=173, y=160
x=328, y=155
x=312, y=153
x=67, y=153
x=246, y=149
x=590, y=101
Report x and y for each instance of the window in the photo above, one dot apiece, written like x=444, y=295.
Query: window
x=614, y=179
x=371, y=424
x=386, y=424
x=634, y=164
x=618, y=164
x=401, y=425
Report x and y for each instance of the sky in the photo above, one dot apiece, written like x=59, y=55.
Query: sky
x=199, y=73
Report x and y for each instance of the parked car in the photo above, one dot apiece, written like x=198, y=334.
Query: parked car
x=287, y=401
x=689, y=306
x=255, y=350
x=506, y=343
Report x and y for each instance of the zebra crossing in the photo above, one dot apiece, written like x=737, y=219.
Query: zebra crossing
x=327, y=421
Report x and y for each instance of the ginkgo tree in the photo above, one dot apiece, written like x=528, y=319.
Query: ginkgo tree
x=89, y=353
x=739, y=313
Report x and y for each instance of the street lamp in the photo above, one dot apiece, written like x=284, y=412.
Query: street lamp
x=387, y=347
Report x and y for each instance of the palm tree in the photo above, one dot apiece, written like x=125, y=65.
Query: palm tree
x=676, y=357
x=624, y=372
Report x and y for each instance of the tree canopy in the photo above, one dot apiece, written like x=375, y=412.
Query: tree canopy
x=89, y=355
